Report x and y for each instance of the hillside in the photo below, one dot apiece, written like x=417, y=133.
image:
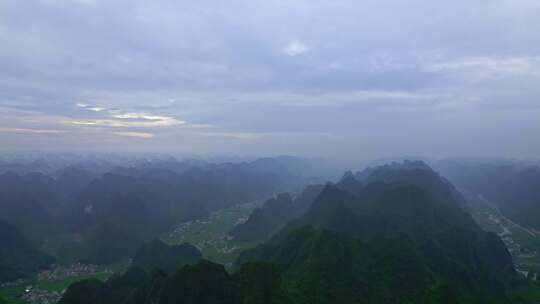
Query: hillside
x=513, y=187
x=18, y=258
x=153, y=261
x=372, y=232
x=263, y=221
x=101, y=213
x=369, y=242
x=275, y=213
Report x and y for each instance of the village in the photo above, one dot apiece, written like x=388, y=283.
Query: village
x=520, y=241
x=48, y=286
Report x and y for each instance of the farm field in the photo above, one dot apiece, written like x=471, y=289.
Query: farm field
x=210, y=234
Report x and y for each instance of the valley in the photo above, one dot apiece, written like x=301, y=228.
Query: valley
x=49, y=285
x=523, y=243
x=210, y=235
x=386, y=225
x=269, y=152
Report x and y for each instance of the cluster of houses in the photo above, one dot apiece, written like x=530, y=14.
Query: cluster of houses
x=34, y=295
x=518, y=252
x=40, y=296
x=59, y=272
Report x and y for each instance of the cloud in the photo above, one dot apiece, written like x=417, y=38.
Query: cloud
x=177, y=69
x=119, y=123
x=135, y=134
x=93, y=108
x=146, y=116
x=31, y=131
x=234, y=135
x=96, y=109
x=295, y=48
x=390, y=95
x=490, y=65
x=111, y=118
x=334, y=98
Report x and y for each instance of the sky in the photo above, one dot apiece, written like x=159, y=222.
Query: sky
x=335, y=79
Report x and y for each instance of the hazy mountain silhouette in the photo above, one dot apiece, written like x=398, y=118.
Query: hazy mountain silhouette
x=513, y=187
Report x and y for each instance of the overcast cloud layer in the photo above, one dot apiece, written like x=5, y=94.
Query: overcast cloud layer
x=319, y=78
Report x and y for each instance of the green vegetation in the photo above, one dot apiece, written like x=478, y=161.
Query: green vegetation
x=204, y=282
x=310, y=266
x=210, y=234
x=17, y=256
x=274, y=214
x=399, y=235
x=405, y=224
x=153, y=261
x=511, y=186
x=11, y=293
x=325, y=267
x=100, y=217
x=158, y=255
x=523, y=243
x=263, y=221
x=385, y=242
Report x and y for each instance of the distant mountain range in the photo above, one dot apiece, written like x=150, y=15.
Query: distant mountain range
x=374, y=232
x=514, y=187
x=18, y=258
x=275, y=213
x=79, y=213
x=151, y=265
x=391, y=234
x=278, y=211
x=177, y=274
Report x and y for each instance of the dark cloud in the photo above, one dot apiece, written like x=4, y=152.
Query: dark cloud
x=374, y=78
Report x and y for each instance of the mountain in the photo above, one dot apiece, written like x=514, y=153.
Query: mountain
x=263, y=221
x=207, y=282
x=428, y=202
x=372, y=239
x=147, y=202
x=303, y=202
x=153, y=261
x=72, y=180
x=320, y=266
x=203, y=282
x=416, y=173
x=170, y=196
x=168, y=259
x=275, y=213
x=18, y=258
x=311, y=266
x=389, y=200
x=513, y=187
x=96, y=212
x=28, y=202
x=25, y=166
x=406, y=239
